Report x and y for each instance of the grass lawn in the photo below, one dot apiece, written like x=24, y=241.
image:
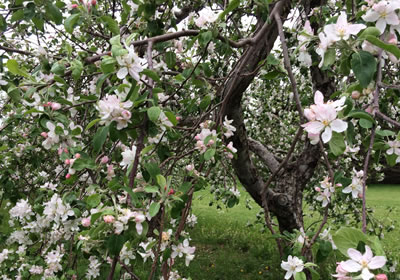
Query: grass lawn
x=228, y=249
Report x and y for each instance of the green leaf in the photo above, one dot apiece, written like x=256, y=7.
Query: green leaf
x=58, y=69
x=17, y=15
x=83, y=163
x=232, y=5
x=115, y=243
x=384, y=133
x=93, y=200
x=171, y=117
x=153, y=113
x=70, y=22
x=300, y=276
x=364, y=66
x=369, y=31
x=346, y=238
x=329, y=57
x=99, y=138
x=365, y=123
x=100, y=81
x=205, y=102
x=154, y=208
x=107, y=64
x=3, y=23
x=170, y=59
x=209, y=154
x=151, y=189
x=387, y=47
x=92, y=123
x=151, y=74
x=53, y=12
x=77, y=68
x=110, y=24
x=161, y=180
x=14, y=68
x=359, y=114
x=337, y=145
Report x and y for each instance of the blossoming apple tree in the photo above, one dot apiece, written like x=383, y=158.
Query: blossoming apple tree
x=113, y=113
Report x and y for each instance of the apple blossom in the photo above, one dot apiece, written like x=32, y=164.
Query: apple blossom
x=292, y=266
x=342, y=29
x=130, y=64
x=86, y=222
x=383, y=13
x=109, y=219
x=356, y=186
x=363, y=262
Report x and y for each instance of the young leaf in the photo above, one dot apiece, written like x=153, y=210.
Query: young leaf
x=53, y=13
x=151, y=74
x=358, y=114
x=337, y=145
x=170, y=59
x=99, y=138
x=364, y=66
x=70, y=22
x=387, y=47
x=111, y=24
x=154, y=208
x=153, y=113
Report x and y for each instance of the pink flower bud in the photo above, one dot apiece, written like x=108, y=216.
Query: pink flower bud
x=73, y=6
x=86, y=222
x=47, y=104
x=108, y=219
x=211, y=142
x=190, y=167
x=68, y=176
x=67, y=161
x=171, y=191
x=197, y=137
x=66, y=150
x=104, y=160
x=392, y=39
x=340, y=269
x=77, y=155
x=94, y=2
x=55, y=106
x=355, y=94
x=318, y=189
x=60, y=150
x=381, y=277
x=178, y=118
x=44, y=134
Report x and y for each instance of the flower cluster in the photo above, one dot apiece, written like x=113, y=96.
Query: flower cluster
x=112, y=109
x=323, y=118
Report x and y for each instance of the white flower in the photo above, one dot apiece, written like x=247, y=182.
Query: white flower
x=128, y=156
x=230, y=129
x=131, y=64
x=383, y=13
x=292, y=266
x=355, y=188
x=363, y=262
x=394, y=147
x=94, y=268
x=324, y=197
x=22, y=210
x=342, y=29
x=206, y=16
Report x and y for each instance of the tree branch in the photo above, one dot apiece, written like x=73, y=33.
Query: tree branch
x=264, y=154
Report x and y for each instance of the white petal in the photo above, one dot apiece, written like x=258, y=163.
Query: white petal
x=327, y=135
x=354, y=255
x=377, y=262
x=338, y=125
x=368, y=254
x=371, y=16
x=313, y=127
x=318, y=98
x=351, y=266
x=381, y=25
x=122, y=73
x=366, y=275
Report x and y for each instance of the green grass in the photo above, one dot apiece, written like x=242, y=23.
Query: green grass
x=227, y=249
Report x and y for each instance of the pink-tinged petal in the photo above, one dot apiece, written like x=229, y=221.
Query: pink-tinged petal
x=392, y=19
x=351, y=266
x=309, y=114
x=355, y=28
x=371, y=16
x=318, y=98
x=139, y=228
x=122, y=73
x=327, y=135
x=354, y=255
x=381, y=25
x=366, y=275
x=368, y=254
x=377, y=262
x=313, y=127
x=338, y=125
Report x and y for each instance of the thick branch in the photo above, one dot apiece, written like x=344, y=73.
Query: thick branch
x=264, y=154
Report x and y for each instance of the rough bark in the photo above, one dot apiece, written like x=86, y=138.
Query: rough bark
x=285, y=198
